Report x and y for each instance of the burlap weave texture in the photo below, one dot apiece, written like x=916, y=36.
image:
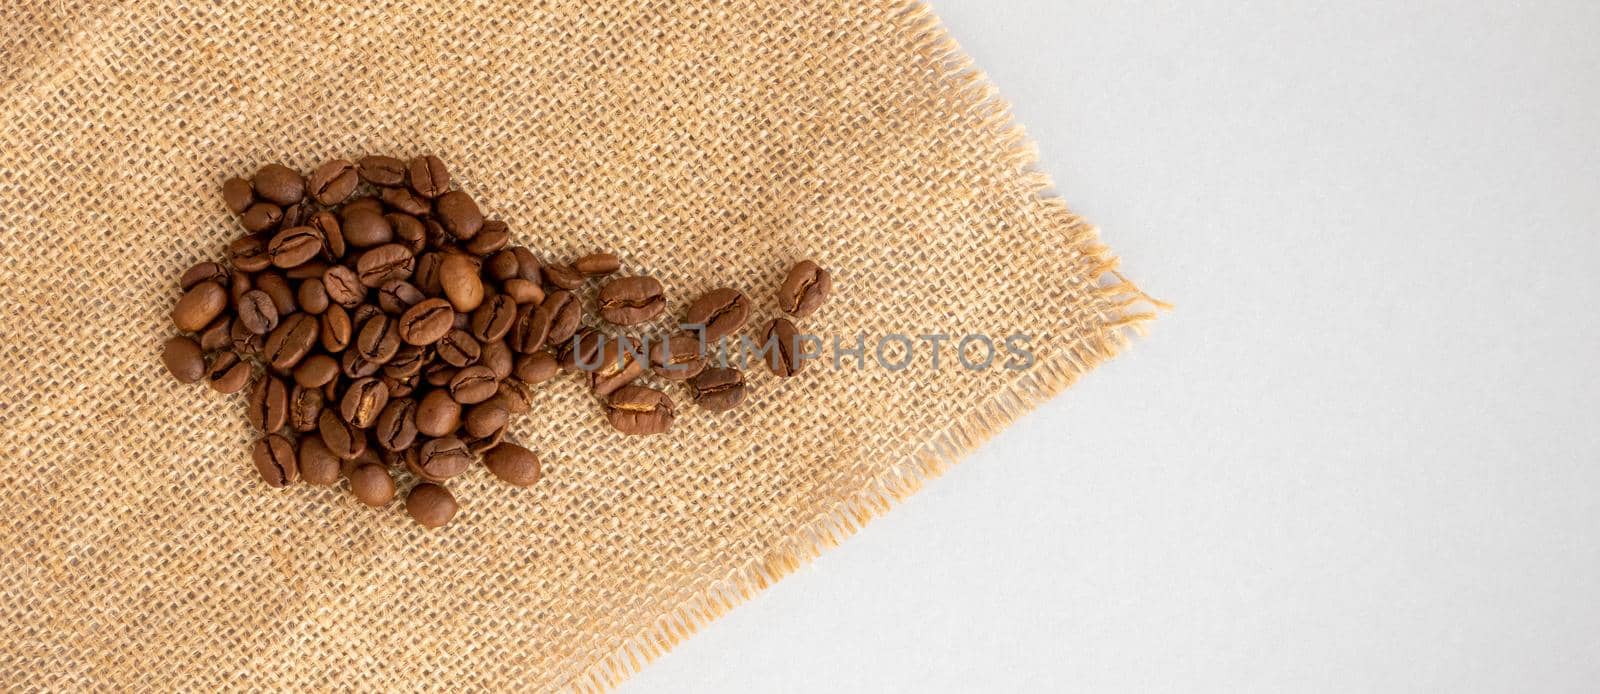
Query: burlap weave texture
x=709, y=143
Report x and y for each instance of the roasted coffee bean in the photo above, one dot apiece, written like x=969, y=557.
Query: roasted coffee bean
x=257, y=312
x=274, y=459
x=237, y=194
x=438, y=414
x=249, y=253
x=397, y=296
x=426, y=322
x=804, y=289
x=597, y=264
x=379, y=338
x=199, y=306
x=443, y=458
x=494, y=318
x=229, y=374
x=513, y=464
x=619, y=364
x=290, y=342
x=279, y=184
x=639, y=411
x=384, y=263
x=363, y=400
x=243, y=341
x=363, y=313
x=718, y=389
x=523, y=292
x=408, y=231
x=269, y=404
x=305, y=407
x=562, y=312
x=721, y=311
x=335, y=328
x=318, y=465
x=184, y=359
x=353, y=365
x=581, y=348
x=298, y=214
x=563, y=277
x=780, y=340
x=399, y=387
x=372, y=485
x=365, y=229
x=396, y=428
x=473, y=384
x=459, y=214
x=498, y=357
x=311, y=269
x=342, y=438
x=217, y=335
x=677, y=358
x=431, y=505
x=333, y=182
x=631, y=300
x=403, y=200
x=327, y=226
x=492, y=238
x=294, y=246
x=343, y=286
x=458, y=275
x=484, y=419
x=530, y=330
x=479, y=445
x=203, y=272
x=369, y=455
x=502, y=265
x=427, y=176
x=535, y=368
x=316, y=371
x=439, y=374
x=407, y=362
x=279, y=289
x=528, y=266
x=312, y=296
x=427, y=276
x=261, y=217
x=382, y=171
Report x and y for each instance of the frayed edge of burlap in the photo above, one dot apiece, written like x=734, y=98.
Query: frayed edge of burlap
x=1122, y=308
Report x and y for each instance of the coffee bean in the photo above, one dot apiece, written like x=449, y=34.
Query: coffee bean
x=502, y=265
x=335, y=328
x=426, y=276
x=583, y=348
x=327, y=226
x=372, y=485
x=382, y=171
x=639, y=411
x=438, y=414
x=365, y=229
x=318, y=465
x=199, y=306
x=237, y=194
x=427, y=176
x=494, y=318
x=493, y=237
x=261, y=217
x=522, y=291
x=426, y=322
x=269, y=404
x=563, y=277
x=312, y=296
x=780, y=339
x=484, y=419
x=443, y=458
x=407, y=361
x=305, y=407
x=290, y=342
x=439, y=374
x=249, y=253
x=279, y=184
x=203, y=272
x=274, y=459
x=399, y=387
x=561, y=312
x=396, y=296
x=804, y=289
x=384, y=263
x=529, y=332
x=721, y=311
x=229, y=374
x=257, y=312
x=536, y=368
x=677, y=358
x=368, y=456
x=379, y=338
x=431, y=505
x=459, y=214
x=217, y=335
x=333, y=182
x=403, y=200
x=363, y=400
x=342, y=438
x=528, y=266
x=353, y=365
x=278, y=288
x=597, y=264
x=243, y=341
x=618, y=366
x=512, y=396
x=294, y=246
x=473, y=384
x=343, y=286
x=316, y=371
x=718, y=389
x=298, y=214
x=458, y=275
x=183, y=359
x=408, y=231
x=497, y=355
x=513, y=464
x=631, y=300
x=396, y=428
x=363, y=313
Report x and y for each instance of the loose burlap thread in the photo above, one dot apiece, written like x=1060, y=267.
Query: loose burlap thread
x=709, y=143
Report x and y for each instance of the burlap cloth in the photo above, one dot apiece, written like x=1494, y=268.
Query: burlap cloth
x=709, y=143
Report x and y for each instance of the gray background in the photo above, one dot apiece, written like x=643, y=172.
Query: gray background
x=1364, y=452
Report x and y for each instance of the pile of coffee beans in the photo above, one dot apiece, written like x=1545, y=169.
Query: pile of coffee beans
x=384, y=328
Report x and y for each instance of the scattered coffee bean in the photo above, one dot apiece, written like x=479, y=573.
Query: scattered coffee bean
x=639, y=411
x=237, y=194
x=305, y=407
x=473, y=385
x=493, y=318
x=333, y=182
x=311, y=296
x=269, y=404
x=459, y=214
x=203, y=272
x=379, y=338
x=229, y=373
x=290, y=342
x=536, y=368
x=780, y=340
x=396, y=428
x=563, y=277
x=431, y=505
x=275, y=460
x=365, y=228
x=722, y=312
x=632, y=300
x=387, y=262
x=437, y=414
x=404, y=200
x=678, y=358
x=335, y=328
x=261, y=217
x=426, y=322
x=294, y=246
x=184, y=360
x=372, y=485
x=561, y=314
x=497, y=356
x=318, y=465
x=279, y=184
x=428, y=177
x=257, y=312
x=199, y=306
x=343, y=438
x=597, y=264
x=618, y=366
x=443, y=458
x=217, y=335
x=718, y=389
x=484, y=419
x=458, y=348
x=513, y=464
x=382, y=171
x=363, y=400
x=458, y=275
x=279, y=290
x=494, y=236
x=804, y=289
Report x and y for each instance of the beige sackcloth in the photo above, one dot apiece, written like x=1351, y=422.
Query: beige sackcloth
x=708, y=143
